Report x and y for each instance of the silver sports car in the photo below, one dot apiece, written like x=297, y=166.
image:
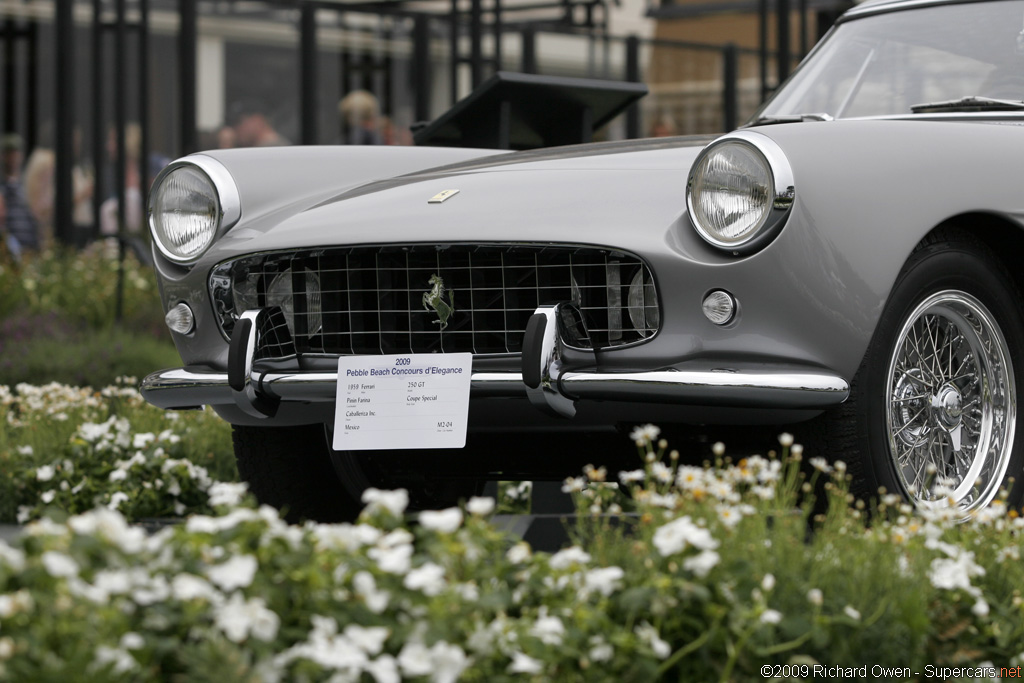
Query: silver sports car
x=431, y=318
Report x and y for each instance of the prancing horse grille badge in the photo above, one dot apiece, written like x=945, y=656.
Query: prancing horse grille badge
x=441, y=196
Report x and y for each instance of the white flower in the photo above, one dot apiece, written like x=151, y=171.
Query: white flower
x=132, y=641
x=701, y=563
x=480, y=506
x=14, y=558
x=48, y=496
x=519, y=553
x=185, y=587
x=116, y=499
x=239, y=618
x=786, y=439
x=122, y=661
x=662, y=472
x=394, y=502
x=549, y=630
x=675, y=536
x=428, y=578
x=600, y=651
x=395, y=560
x=633, y=476
x=768, y=583
x=820, y=464
x=415, y=659
x=384, y=669
x=648, y=634
x=771, y=616
x=646, y=433
x=368, y=639
x=45, y=473
x=574, y=485
x=225, y=493
x=953, y=573
x=24, y=450
x=815, y=597
x=729, y=515
x=365, y=586
x=980, y=608
x=604, y=580
x=237, y=572
x=6, y=648
x=59, y=564
x=852, y=613
x=564, y=559
x=718, y=449
x=442, y=521
x=448, y=662
x=524, y=664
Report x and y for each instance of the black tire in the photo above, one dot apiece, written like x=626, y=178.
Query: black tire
x=907, y=411
x=295, y=469
x=290, y=469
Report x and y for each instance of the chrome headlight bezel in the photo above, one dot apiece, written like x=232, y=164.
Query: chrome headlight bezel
x=223, y=194
x=779, y=196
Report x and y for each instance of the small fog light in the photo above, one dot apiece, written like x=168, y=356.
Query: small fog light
x=180, y=319
x=719, y=307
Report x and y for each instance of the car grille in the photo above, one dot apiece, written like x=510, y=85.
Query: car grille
x=371, y=300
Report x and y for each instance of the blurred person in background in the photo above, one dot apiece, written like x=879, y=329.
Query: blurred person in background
x=253, y=128
x=359, y=112
x=19, y=221
x=394, y=135
x=39, y=179
x=132, y=185
x=8, y=245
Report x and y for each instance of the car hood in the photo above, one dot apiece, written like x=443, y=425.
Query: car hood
x=576, y=194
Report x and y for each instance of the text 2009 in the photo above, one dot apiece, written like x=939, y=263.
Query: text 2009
x=403, y=361
x=785, y=671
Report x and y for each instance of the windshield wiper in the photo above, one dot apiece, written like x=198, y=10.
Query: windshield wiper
x=790, y=118
x=971, y=103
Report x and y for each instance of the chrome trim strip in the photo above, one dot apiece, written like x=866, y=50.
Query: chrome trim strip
x=765, y=387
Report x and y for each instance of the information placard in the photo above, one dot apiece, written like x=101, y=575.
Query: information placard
x=410, y=401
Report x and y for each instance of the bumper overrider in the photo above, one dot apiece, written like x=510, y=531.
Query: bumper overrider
x=558, y=369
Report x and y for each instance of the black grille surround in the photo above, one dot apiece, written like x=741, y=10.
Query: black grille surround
x=371, y=299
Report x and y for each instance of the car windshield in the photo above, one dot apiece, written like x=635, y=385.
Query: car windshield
x=886, y=64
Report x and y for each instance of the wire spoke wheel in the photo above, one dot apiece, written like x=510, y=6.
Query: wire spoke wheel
x=951, y=403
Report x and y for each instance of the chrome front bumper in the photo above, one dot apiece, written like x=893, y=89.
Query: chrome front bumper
x=555, y=342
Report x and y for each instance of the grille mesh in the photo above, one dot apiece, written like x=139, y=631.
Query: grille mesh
x=371, y=300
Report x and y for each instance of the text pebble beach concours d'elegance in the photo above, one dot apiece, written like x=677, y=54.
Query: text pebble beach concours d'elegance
x=877, y=672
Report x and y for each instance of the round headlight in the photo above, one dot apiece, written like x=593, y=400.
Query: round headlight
x=190, y=203
x=280, y=293
x=739, y=189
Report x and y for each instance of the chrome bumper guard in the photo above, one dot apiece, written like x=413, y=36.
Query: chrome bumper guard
x=555, y=342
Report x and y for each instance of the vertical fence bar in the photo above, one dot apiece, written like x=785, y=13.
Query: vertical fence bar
x=633, y=75
x=10, y=77
x=785, y=52
x=121, y=167
x=730, y=85
x=454, y=50
x=762, y=46
x=529, y=50
x=65, y=121
x=99, y=187
x=187, y=39
x=32, y=88
x=476, y=41
x=421, y=67
x=498, y=30
x=308, y=79
x=146, y=141
x=804, y=47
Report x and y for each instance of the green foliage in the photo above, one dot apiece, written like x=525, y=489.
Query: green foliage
x=57, y=320
x=705, y=573
x=71, y=449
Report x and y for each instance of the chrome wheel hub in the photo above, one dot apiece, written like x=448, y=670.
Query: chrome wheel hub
x=951, y=403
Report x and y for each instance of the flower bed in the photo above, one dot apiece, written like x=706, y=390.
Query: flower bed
x=725, y=569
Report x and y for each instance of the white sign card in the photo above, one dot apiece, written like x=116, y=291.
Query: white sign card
x=410, y=401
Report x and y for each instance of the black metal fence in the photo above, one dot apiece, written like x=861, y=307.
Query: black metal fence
x=93, y=66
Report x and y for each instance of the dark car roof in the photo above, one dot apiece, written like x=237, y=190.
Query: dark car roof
x=881, y=6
